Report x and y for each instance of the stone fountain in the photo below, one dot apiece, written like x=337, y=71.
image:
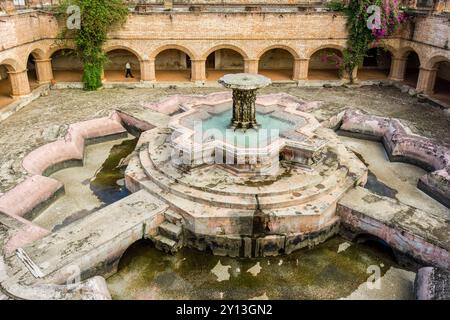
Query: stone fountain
x=268, y=185
x=244, y=97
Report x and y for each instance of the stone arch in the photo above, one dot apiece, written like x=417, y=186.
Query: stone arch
x=413, y=62
x=118, y=56
x=431, y=63
x=125, y=48
x=173, y=63
x=183, y=49
x=222, y=60
x=11, y=64
x=277, y=62
x=37, y=53
x=225, y=46
x=123, y=255
x=405, y=51
x=439, y=81
x=377, y=63
x=376, y=243
x=13, y=82
x=325, y=67
x=312, y=51
x=66, y=66
x=289, y=49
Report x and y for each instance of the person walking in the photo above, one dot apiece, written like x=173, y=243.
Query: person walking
x=128, y=70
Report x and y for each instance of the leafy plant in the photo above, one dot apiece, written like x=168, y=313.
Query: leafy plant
x=98, y=17
x=360, y=37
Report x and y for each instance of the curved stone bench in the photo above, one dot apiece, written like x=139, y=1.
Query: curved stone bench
x=38, y=191
x=402, y=145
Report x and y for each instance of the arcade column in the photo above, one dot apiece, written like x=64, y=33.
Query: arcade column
x=19, y=83
x=398, y=67
x=44, y=70
x=301, y=69
x=198, y=70
x=148, y=70
x=426, y=81
x=251, y=66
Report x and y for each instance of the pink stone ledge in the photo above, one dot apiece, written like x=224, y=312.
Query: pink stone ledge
x=403, y=145
x=38, y=189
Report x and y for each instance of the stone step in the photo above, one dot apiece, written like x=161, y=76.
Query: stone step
x=165, y=244
x=160, y=159
x=236, y=202
x=173, y=217
x=170, y=231
x=180, y=190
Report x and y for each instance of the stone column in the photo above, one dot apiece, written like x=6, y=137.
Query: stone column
x=44, y=70
x=19, y=83
x=251, y=66
x=346, y=76
x=301, y=69
x=426, y=81
x=148, y=70
x=398, y=67
x=198, y=70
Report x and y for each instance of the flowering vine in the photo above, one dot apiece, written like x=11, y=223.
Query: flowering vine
x=361, y=37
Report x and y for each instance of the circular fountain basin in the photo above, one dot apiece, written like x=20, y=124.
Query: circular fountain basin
x=264, y=200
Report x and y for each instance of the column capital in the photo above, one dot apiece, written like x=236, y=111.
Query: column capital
x=428, y=69
x=43, y=60
x=16, y=72
x=302, y=59
x=198, y=60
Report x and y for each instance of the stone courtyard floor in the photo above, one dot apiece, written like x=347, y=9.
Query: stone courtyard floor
x=47, y=118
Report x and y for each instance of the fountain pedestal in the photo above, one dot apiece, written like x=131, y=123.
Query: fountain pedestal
x=244, y=87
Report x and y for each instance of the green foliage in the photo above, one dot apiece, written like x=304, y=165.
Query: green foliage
x=360, y=37
x=98, y=17
x=335, y=5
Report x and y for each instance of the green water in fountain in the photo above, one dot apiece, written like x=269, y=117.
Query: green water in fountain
x=318, y=273
x=269, y=129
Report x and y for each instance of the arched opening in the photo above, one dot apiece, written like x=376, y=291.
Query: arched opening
x=277, y=64
x=441, y=88
x=5, y=85
x=381, y=247
x=412, y=69
x=139, y=248
x=325, y=64
x=115, y=68
x=376, y=65
x=223, y=61
x=32, y=72
x=66, y=66
x=173, y=65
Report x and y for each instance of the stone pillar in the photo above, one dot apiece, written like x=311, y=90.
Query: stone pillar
x=102, y=74
x=251, y=66
x=168, y=4
x=301, y=69
x=198, y=70
x=398, y=67
x=148, y=70
x=44, y=70
x=426, y=81
x=19, y=83
x=346, y=76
